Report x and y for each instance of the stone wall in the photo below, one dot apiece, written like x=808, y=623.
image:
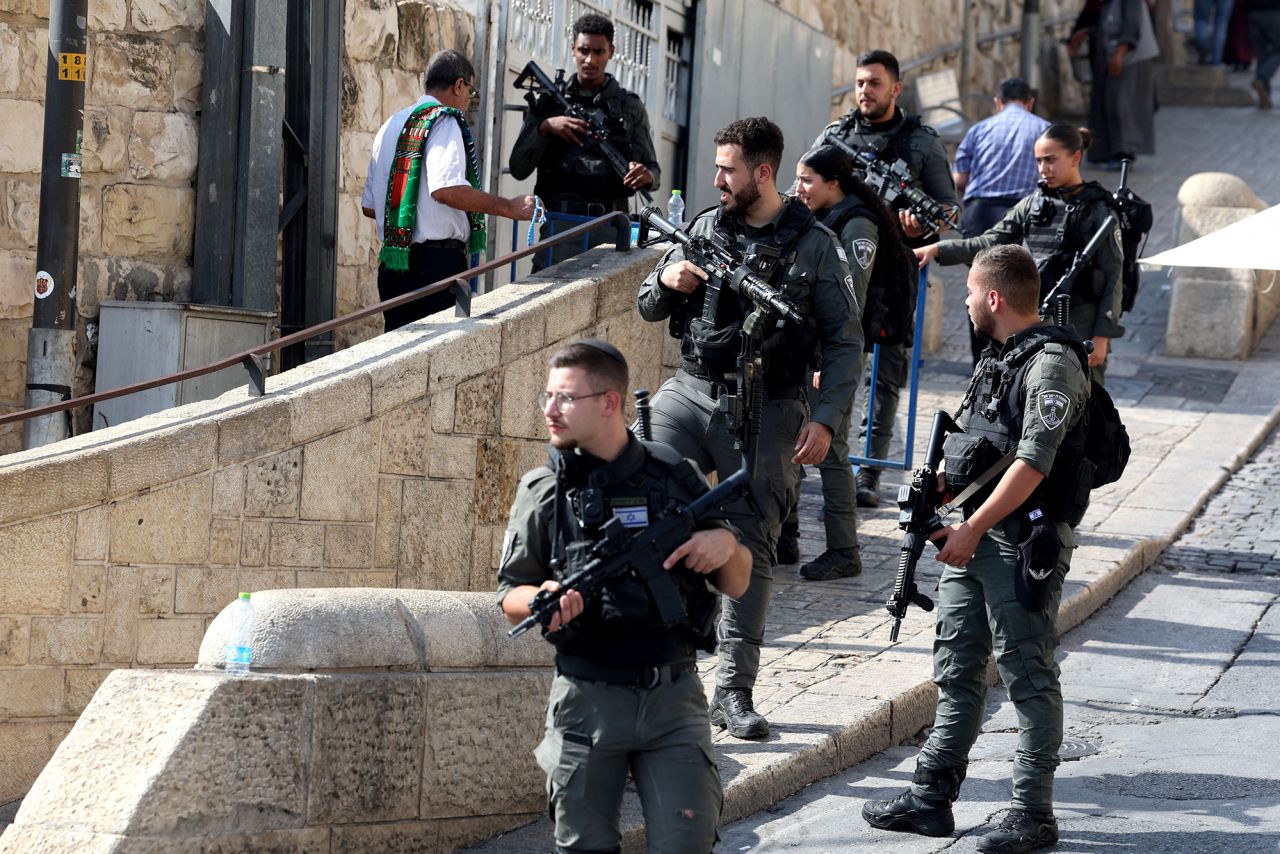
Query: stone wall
x=141, y=133
x=390, y=464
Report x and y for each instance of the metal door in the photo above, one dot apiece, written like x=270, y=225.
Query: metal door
x=753, y=59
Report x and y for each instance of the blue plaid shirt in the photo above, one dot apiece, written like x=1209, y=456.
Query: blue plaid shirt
x=999, y=154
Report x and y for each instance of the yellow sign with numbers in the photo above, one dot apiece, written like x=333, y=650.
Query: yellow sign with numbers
x=71, y=66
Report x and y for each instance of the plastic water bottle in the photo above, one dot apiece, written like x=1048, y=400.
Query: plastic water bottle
x=675, y=208
x=239, y=652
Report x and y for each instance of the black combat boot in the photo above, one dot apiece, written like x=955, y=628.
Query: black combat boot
x=868, y=493
x=732, y=709
x=1020, y=832
x=910, y=813
x=789, y=544
x=833, y=563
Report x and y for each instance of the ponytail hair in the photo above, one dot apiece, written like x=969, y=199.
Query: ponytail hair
x=832, y=164
x=1070, y=137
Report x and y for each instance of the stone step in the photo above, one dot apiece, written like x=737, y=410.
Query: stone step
x=1192, y=75
x=1200, y=96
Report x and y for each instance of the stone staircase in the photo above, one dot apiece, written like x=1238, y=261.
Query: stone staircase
x=1201, y=86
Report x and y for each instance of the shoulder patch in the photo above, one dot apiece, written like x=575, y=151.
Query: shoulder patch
x=840, y=253
x=864, y=252
x=1052, y=407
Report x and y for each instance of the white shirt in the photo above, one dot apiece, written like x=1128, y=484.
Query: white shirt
x=445, y=165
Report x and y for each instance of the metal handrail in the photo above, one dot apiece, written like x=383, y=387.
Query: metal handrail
x=252, y=359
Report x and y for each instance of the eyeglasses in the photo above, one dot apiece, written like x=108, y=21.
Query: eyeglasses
x=474, y=97
x=564, y=400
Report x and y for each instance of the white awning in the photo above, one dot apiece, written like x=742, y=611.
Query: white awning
x=1250, y=244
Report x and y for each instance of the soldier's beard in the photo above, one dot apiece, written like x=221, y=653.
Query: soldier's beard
x=741, y=201
x=984, y=324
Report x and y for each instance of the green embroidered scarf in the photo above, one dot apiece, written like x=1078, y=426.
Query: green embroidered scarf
x=401, y=212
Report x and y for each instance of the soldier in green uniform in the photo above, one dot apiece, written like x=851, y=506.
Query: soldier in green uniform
x=573, y=175
x=878, y=122
x=868, y=232
x=1053, y=223
x=626, y=695
x=1006, y=561
x=787, y=247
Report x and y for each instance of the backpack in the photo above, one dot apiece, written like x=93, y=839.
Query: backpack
x=1136, y=218
x=889, y=315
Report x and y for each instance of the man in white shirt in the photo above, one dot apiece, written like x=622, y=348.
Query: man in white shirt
x=441, y=228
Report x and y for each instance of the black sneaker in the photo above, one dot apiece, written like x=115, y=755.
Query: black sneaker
x=833, y=563
x=1020, y=832
x=789, y=545
x=910, y=813
x=868, y=484
x=732, y=709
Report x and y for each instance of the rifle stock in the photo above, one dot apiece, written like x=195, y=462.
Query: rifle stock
x=644, y=552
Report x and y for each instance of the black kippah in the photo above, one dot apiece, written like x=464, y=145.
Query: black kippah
x=604, y=347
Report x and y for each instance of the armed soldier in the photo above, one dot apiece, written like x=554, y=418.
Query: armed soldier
x=785, y=246
x=574, y=176
x=1007, y=559
x=879, y=123
x=626, y=695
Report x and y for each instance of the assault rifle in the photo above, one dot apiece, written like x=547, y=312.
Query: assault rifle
x=726, y=268
x=643, y=552
x=891, y=181
x=1057, y=303
x=918, y=517
x=536, y=82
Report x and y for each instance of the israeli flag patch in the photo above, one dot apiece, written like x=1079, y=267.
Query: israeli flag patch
x=631, y=512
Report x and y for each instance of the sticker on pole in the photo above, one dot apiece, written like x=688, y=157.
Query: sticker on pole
x=71, y=66
x=44, y=285
x=71, y=165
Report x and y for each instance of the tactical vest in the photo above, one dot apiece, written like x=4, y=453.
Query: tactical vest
x=888, y=318
x=582, y=170
x=991, y=415
x=1055, y=230
x=622, y=625
x=711, y=350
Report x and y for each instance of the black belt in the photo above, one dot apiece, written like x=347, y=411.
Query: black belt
x=583, y=207
x=450, y=243
x=644, y=677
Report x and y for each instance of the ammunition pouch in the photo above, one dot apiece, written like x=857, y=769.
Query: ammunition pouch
x=715, y=350
x=967, y=456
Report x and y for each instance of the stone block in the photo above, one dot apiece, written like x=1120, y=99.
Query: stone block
x=162, y=457
x=465, y=356
x=267, y=579
x=92, y=533
x=66, y=640
x=330, y=406
x=435, y=535
x=273, y=485
x=372, y=578
x=79, y=687
x=490, y=770
x=224, y=542
x=366, y=749
x=498, y=473
x=355, y=148
x=406, y=441
x=573, y=311
x=482, y=575
x=155, y=589
x=130, y=71
x=477, y=403
x=10, y=59
x=204, y=591
x=146, y=220
x=22, y=212
x=348, y=546
x=296, y=544
x=441, y=405
x=1217, y=190
x=310, y=578
x=453, y=457
x=169, y=525
x=386, y=536
x=17, y=283
x=35, y=563
x=157, y=16
x=340, y=476
x=42, y=488
x=188, y=76
x=357, y=235
x=30, y=693
x=169, y=641
x=90, y=237
x=25, y=747
x=15, y=641
x=523, y=329
x=522, y=382
x=420, y=34
x=162, y=146
x=258, y=428
x=400, y=89
x=20, y=148
x=88, y=588
x=370, y=32
x=106, y=139
x=254, y=537
x=361, y=96
x=408, y=837
x=120, y=615
x=1224, y=306
x=401, y=379
x=228, y=492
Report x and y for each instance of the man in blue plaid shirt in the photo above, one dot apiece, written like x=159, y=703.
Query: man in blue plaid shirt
x=996, y=166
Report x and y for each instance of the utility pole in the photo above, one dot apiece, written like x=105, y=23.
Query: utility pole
x=51, y=343
x=1029, y=64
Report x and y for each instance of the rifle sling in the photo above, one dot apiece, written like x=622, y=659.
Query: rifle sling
x=982, y=480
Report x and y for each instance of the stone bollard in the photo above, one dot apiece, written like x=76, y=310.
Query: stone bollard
x=1216, y=313
x=374, y=720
